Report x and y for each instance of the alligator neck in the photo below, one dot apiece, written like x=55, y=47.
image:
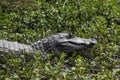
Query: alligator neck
x=44, y=45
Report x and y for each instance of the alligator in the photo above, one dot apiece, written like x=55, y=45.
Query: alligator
x=58, y=43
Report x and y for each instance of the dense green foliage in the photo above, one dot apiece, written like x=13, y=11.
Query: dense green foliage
x=26, y=21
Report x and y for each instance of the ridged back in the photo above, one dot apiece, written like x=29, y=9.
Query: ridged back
x=45, y=45
x=14, y=47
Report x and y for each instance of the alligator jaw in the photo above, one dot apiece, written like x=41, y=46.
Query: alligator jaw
x=75, y=44
x=77, y=41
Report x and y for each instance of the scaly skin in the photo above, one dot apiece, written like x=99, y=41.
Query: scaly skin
x=14, y=47
x=60, y=42
x=63, y=42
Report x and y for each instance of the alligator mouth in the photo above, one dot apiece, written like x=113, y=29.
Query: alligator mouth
x=78, y=43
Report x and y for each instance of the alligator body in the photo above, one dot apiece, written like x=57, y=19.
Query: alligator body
x=14, y=47
x=60, y=42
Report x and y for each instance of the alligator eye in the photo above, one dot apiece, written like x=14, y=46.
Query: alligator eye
x=71, y=35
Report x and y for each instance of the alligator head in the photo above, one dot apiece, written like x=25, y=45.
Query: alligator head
x=63, y=42
x=69, y=43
